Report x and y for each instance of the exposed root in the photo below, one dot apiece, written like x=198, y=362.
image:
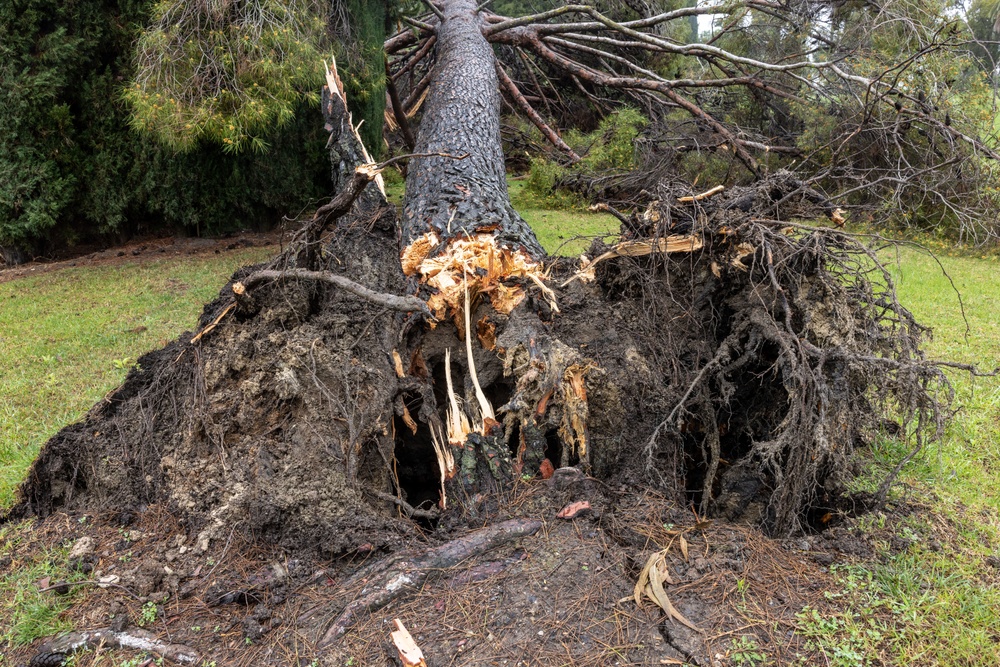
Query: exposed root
x=406, y=576
x=135, y=639
x=406, y=304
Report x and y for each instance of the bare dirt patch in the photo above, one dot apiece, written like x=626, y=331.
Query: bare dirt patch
x=562, y=596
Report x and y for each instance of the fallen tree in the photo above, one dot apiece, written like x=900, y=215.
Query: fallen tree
x=386, y=375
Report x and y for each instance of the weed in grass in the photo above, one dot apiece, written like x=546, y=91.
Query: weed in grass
x=745, y=652
x=148, y=615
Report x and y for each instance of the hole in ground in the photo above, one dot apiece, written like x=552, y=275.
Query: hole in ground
x=416, y=463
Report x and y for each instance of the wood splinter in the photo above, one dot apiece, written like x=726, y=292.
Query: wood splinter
x=704, y=195
x=409, y=653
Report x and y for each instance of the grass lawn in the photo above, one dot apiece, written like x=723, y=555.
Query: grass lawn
x=936, y=601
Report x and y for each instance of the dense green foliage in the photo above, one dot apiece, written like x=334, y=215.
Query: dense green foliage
x=224, y=71
x=231, y=72
x=363, y=66
x=212, y=78
x=607, y=150
x=71, y=166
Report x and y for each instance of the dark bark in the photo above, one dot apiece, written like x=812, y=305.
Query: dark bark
x=462, y=115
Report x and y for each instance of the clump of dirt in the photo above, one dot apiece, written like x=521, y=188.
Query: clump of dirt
x=241, y=428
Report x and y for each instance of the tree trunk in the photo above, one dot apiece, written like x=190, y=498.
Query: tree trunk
x=452, y=197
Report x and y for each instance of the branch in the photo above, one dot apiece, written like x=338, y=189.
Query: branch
x=397, y=108
x=433, y=8
x=530, y=112
x=406, y=304
x=534, y=42
x=136, y=639
x=410, y=575
x=417, y=57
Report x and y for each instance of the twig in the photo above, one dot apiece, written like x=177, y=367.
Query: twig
x=704, y=195
x=437, y=12
x=215, y=323
x=407, y=508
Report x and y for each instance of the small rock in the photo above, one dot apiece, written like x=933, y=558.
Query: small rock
x=81, y=548
x=824, y=559
x=253, y=630
x=119, y=623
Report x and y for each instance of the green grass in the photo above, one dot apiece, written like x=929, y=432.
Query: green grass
x=70, y=336
x=937, y=602
x=26, y=612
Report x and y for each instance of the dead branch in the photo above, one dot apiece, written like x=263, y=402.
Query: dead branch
x=516, y=95
x=134, y=638
x=397, y=109
x=406, y=304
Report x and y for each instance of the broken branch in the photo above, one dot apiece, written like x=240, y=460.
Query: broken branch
x=406, y=304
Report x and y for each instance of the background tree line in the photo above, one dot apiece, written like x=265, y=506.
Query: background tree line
x=90, y=150
x=201, y=117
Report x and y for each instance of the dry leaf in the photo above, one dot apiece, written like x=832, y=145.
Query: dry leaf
x=573, y=509
x=650, y=584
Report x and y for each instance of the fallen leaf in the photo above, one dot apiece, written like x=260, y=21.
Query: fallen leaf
x=573, y=509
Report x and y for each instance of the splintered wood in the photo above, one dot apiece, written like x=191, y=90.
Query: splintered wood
x=479, y=263
x=667, y=245
x=573, y=428
x=409, y=653
x=336, y=87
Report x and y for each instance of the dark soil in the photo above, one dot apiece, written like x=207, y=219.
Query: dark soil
x=563, y=596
